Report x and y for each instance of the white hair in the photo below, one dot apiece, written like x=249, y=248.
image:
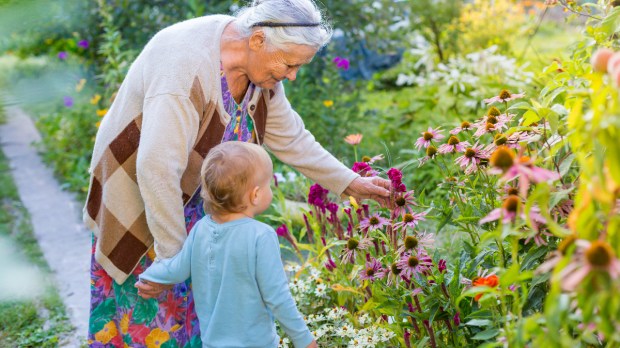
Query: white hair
x=285, y=11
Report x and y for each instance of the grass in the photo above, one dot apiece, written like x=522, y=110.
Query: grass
x=38, y=322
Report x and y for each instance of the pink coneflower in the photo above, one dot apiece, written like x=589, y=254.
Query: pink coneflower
x=411, y=243
x=453, y=145
x=403, y=203
x=349, y=252
x=471, y=158
x=465, y=126
x=353, y=139
x=595, y=258
x=510, y=209
x=373, y=271
x=415, y=263
x=556, y=256
x=374, y=222
x=393, y=274
x=522, y=168
x=538, y=236
x=410, y=221
x=431, y=152
x=504, y=96
x=427, y=137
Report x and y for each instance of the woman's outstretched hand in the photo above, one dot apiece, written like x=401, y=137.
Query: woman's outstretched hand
x=370, y=187
x=148, y=289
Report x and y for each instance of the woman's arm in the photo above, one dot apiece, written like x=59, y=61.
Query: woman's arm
x=274, y=290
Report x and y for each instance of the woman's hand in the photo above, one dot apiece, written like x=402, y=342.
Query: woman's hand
x=313, y=345
x=370, y=187
x=148, y=289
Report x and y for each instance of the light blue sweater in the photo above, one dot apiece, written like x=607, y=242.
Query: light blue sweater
x=238, y=282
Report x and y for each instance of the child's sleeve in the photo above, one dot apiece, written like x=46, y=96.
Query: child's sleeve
x=273, y=286
x=175, y=269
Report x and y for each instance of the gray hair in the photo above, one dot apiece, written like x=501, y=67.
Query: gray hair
x=285, y=11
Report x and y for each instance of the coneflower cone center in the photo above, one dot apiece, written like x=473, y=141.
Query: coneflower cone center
x=428, y=136
x=513, y=191
x=566, y=243
x=413, y=261
x=400, y=201
x=492, y=119
x=493, y=111
x=431, y=151
x=511, y=204
x=366, y=159
x=599, y=254
x=502, y=158
x=489, y=126
x=453, y=140
x=408, y=218
x=411, y=242
x=352, y=244
x=504, y=94
x=500, y=139
x=469, y=153
x=465, y=125
x=395, y=269
x=373, y=220
x=370, y=272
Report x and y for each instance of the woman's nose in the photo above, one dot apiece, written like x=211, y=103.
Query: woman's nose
x=292, y=75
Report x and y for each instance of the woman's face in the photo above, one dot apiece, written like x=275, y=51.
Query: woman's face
x=268, y=67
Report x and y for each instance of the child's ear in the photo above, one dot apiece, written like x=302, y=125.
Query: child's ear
x=254, y=195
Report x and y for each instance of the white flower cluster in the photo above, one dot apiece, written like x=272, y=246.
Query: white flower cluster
x=303, y=286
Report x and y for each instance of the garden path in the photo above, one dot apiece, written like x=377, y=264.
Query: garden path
x=55, y=216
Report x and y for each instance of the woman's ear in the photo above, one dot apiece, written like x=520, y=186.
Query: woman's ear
x=257, y=40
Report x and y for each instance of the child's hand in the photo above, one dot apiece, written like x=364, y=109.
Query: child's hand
x=148, y=289
x=313, y=345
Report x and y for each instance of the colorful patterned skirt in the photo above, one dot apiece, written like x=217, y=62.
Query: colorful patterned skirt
x=121, y=318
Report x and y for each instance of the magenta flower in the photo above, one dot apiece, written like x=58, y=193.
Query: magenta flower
x=441, y=266
x=364, y=169
x=374, y=222
x=427, y=137
x=396, y=177
x=410, y=221
x=504, y=96
x=83, y=44
x=68, y=101
x=283, y=232
x=453, y=145
x=465, y=126
x=349, y=252
x=373, y=271
x=318, y=196
x=595, y=258
x=341, y=63
x=457, y=319
x=375, y=159
x=415, y=263
x=62, y=55
x=330, y=264
x=403, y=204
x=470, y=160
x=510, y=210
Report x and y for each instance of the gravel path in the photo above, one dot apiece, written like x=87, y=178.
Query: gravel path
x=56, y=219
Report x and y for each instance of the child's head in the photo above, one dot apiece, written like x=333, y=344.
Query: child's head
x=236, y=176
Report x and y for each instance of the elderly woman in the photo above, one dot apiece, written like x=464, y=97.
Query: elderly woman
x=196, y=84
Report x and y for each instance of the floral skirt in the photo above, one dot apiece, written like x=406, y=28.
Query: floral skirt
x=121, y=318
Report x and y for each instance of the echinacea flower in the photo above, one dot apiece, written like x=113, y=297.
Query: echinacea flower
x=427, y=137
x=415, y=263
x=595, y=258
x=349, y=252
x=523, y=168
x=453, y=145
x=411, y=243
x=510, y=210
x=341, y=63
x=431, y=152
x=504, y=96
x=373, y=271
x=393, y=274
x=374, y=222
x=471, y=158
x=410, y=220
x=563, y=248
x=403, y=203
x=353, y=139
x=463, y=127
x=371, y=160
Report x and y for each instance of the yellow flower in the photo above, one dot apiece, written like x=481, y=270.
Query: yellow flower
x=328, y=103
x=156, y=338
x=353, y=202
x=80, y=85
x=125, y=324
x=102, y=112
x=107, y=333
x=98, y=124
x=95, y=99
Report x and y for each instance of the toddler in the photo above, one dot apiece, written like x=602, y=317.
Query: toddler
x=238, y=280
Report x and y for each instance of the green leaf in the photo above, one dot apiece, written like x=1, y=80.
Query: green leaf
x=486, y=334
x=145, y=311
x=529, y=118
x=611, y=23
x=479, y=322
x=102, y=314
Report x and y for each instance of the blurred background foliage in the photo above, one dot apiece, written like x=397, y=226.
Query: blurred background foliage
x=412, y=63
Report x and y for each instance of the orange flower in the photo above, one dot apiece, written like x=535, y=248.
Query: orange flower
x=106, y=334
x=156, y=338
x=353, y=139
x=491, y=281
x=125, y=324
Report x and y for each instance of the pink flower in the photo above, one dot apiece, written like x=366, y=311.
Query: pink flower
x=62, y=55
x=431, y=152
x=353, y=246
x=341, y=63
x=412, y=243
x=510, y=210
x=470, y=160
x=415, y=263
x=410, y=220
x=373, y=271
x=67, y=101
x=353, y=139
x=596, y=258
x=318, y=196
x=371, y=160
x=374, y=222
x=363, y=169
x=453, y=145
x=283, y=232
x=504, y=96
x=330, y=265
x=83, y=44
x=463, y=127
x=441, y=266
x=526, y=171
x=403, y=203
x=427, y=137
